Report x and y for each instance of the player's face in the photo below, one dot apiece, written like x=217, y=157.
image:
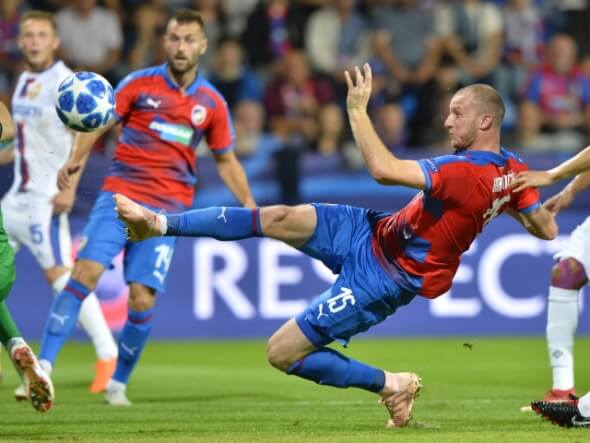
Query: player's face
x=462, y=121
x=184, y=43
x=38, y=42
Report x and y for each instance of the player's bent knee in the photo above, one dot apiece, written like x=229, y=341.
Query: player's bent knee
x=276, y=355
x=568, y=273
x=141, y=298
x=87, y=272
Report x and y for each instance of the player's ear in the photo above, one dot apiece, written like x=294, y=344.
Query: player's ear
x=56, y=43
x=204, y=47
x=486, y=122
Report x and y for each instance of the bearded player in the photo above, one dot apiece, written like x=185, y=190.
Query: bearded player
x=164, y=112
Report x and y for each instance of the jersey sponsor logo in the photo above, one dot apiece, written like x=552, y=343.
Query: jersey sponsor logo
x=26, y=111
x=198, y=114
x=173, y=132
x=34, y=90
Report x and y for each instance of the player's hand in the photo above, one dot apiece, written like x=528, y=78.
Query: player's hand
x=528, y=179
x=359, y=90
x=63, y=201
x=64, y=174
x=559, y=201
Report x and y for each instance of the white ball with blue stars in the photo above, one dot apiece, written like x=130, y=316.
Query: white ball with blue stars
x=85, y=101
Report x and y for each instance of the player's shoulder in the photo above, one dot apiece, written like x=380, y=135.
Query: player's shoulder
x=440, y=161
x=515, y=160
x=204, y=88
x=145, y=74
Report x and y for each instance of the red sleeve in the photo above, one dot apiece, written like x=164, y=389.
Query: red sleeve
x=529, y=199
x=126, y=94
x=221, y=135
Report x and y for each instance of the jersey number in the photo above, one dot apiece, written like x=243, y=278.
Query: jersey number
x=495, y=209
x=340, y=301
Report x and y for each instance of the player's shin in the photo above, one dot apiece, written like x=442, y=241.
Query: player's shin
x=328, y=367
x=562, y=321
x=93, y=322
x=222, y=223
x=131, y=342
x=62, y=319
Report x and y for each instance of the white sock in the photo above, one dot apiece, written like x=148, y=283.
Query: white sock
x=46, y=366
x=562, y=321
x=93, y=322
x=114, y=385
x=584, y=405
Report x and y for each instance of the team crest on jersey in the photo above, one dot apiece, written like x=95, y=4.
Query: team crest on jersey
x=198, y=114
x=34, y=91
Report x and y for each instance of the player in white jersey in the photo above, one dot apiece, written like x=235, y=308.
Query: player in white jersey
x=35, y=213
x=568, y=277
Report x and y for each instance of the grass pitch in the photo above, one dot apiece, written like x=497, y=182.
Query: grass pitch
x=226, y=392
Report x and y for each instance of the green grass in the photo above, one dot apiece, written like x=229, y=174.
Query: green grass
x=225, y=391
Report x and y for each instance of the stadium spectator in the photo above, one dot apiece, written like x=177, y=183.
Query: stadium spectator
x=274, y=28
x=232, y=77
x=330, y=130
x=149, y=22
x=407, y=47
x=472, y=38
x=212, y=14
x=524, y=39
x=555, y=111
x=389, y=123
x=336, y=38
x=91, y=37
x=10, y=56
x=251, y=139
x=236, y=14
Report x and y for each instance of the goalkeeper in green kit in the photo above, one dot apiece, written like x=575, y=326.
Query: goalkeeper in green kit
x=37, y=383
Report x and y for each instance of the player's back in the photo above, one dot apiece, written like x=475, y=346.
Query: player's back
x=154, y=160
x=422, y=243
x=42, y=143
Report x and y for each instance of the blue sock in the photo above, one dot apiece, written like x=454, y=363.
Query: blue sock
x=328, y=367
x=63, y=316
x=222, y=223
x=131, y=342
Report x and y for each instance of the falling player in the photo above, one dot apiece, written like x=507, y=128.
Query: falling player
x=164, y=112
x=383, y=260
x=36, y=214
x=569, y=276
x=37, y=384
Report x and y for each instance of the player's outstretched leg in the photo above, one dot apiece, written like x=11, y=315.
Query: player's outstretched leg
x=290, y=351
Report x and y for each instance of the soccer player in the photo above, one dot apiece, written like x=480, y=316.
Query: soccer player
x=383, y=259
x=568, y=276
x=164, y=112
x=36, y=214
x=38, y=387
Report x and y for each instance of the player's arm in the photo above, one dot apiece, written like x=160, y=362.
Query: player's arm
x=573, y=166
x=540, y=222
x=70, y=173
x=383, y=166
x=233, y=175
x=7, y=127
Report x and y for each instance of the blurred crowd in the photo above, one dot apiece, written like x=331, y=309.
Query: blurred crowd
x=280, y=63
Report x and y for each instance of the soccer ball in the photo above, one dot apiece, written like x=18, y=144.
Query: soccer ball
x=85, y=101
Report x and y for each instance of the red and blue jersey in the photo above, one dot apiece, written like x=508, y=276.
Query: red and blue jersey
x=420, y=246
x=154, y=160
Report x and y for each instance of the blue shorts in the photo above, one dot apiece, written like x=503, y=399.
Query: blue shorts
x=363, y=295
x=104, y=237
